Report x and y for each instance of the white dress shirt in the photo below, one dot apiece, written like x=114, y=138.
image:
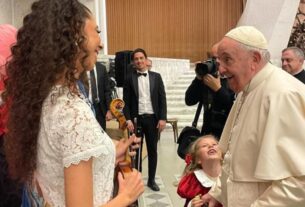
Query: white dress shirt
x=145, y=104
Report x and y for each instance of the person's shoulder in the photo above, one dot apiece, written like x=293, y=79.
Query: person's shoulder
x=130, y=75
x=283, y=87
x=66, y=100
x=301, y=76
x=100, y=66
x=155, y=74
x=283, y=81
x=62, y=108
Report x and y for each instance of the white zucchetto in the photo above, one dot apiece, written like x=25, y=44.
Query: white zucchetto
x=248, y=35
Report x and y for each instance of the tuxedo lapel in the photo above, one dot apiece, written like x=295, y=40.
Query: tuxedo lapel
x=99, y=81
x=94, y=90
x=151, y=84
x=135, y=83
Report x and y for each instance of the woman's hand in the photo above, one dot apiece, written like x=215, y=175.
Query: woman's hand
x=108, y=116
x=122, y=147
x=130, y=126
x=134, y=145
x=131, y=186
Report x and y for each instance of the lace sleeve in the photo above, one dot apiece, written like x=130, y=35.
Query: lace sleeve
x=82, y=136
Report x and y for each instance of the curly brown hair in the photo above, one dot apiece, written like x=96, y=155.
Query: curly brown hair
x=48, y=45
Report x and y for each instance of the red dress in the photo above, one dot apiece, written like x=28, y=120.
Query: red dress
x=3, y=112
x=189, y=186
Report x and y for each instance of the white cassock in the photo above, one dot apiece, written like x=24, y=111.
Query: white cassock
x=264, y=144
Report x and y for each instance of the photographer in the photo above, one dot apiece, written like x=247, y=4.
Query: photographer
x=214, y=94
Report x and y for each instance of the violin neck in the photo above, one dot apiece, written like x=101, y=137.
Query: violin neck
x=132, y=159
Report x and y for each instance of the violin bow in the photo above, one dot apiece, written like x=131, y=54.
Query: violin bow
x=138, y=133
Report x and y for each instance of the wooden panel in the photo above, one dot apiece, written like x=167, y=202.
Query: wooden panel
x=170, y=28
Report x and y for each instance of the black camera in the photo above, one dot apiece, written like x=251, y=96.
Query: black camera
x=209, y=66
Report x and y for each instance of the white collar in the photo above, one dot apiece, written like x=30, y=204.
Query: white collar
x=296, y=73
x=204, y=179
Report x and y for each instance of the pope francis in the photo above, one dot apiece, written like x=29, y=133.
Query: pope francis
x=263, y=141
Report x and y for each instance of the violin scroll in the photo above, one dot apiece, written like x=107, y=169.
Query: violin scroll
x=116, y=108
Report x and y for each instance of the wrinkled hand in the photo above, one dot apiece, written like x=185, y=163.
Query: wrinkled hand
x=212, y=82
x=131, y=186
x=207, y=198
x=161, y=125
x=109, y=115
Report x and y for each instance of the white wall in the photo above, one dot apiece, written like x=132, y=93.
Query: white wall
x=90, y=4
x=21, y=8
x=274, y=18
x=13, y=11
x=6, y=12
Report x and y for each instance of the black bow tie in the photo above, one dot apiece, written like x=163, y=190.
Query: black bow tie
x=144, y=74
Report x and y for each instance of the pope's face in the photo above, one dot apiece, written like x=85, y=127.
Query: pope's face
x=235, y=63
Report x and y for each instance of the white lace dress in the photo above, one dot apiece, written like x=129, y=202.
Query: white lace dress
x=69, y=133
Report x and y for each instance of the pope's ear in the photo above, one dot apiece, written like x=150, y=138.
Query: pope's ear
x=257, y=57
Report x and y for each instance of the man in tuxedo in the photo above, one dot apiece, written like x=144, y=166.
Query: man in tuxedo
x=292, y=62
x=100, y=94
x=145, y=99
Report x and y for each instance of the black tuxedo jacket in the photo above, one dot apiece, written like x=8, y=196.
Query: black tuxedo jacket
x=157, y=94
x=104, y=92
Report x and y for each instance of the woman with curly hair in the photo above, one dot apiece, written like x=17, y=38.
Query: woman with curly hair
x=203, y=168
x=54, y=141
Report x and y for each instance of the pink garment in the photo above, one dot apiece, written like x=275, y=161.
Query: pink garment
x=7, y=39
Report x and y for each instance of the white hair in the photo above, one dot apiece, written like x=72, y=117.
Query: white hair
x=263, y=52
